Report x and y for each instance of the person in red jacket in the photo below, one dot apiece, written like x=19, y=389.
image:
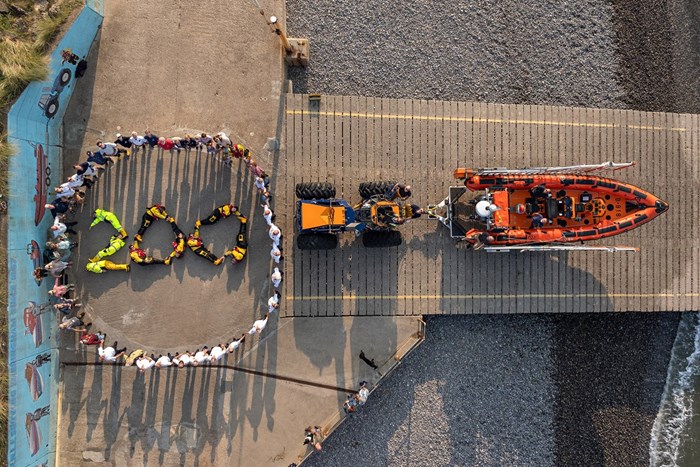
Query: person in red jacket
x=165, y=144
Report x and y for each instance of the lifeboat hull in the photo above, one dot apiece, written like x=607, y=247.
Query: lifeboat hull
x=531, y=209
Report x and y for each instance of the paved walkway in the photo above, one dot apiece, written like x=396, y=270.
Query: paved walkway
x=299, y=373
x=188, y=67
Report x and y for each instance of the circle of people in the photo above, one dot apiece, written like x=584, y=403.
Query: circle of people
x=71, y=194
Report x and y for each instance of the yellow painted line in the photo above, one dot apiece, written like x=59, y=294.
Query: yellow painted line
x=476, y=120
x=488, y=297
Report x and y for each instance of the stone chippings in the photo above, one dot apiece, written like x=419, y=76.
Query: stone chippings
x=463, y=397
x=524, y=390
x=593, y=53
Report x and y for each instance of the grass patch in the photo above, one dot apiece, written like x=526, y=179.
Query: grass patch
x=5, y=154
x=20, y=64
x=46, y=28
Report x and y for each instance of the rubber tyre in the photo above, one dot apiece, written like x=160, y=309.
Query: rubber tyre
x=315, y=190
x=51, y=107
x=369, y=189
x=317, y=241
x=64, y=77
x=375, y=239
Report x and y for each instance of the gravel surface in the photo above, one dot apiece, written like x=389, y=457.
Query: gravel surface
x=640, y=54
x=520, y=390
x=510, y=390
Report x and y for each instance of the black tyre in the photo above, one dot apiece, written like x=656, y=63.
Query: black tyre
x=376, y=239
x=315, y=190
x=317, y=241
x=51, y=107
x=64, y=77
x=369, y=189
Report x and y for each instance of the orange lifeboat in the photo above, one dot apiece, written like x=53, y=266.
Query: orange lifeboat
x=528, y=207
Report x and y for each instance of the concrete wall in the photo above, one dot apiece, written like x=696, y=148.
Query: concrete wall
x=34, y=128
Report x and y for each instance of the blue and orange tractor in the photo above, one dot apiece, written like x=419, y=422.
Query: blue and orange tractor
x=320, y=216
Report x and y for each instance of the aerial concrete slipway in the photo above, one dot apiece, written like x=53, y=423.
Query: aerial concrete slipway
x=189, y=69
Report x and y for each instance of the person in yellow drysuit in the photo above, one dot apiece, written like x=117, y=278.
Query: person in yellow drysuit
x=102, y=215
x=99, y=267
x=115, y=244
x=239, y=251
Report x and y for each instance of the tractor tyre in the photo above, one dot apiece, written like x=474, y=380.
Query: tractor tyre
x=369, y=189
x=315, y=190
x=381, y=239
x=317, y=241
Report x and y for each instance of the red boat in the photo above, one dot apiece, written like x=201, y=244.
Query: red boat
x=43, y=180
x=550, y=206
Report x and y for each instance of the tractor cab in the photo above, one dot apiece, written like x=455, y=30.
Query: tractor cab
x=378, y=213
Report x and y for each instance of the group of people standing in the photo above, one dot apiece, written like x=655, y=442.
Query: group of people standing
x=71, y=193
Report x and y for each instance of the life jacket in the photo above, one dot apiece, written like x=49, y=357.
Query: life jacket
x=194, y=242
x=137, y=255
x=157, y=211
x=238, y=253
x=179, y=246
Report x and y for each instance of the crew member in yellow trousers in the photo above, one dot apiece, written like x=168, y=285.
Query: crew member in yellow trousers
x=102, y=215
x=115, y=244
x=99, y=267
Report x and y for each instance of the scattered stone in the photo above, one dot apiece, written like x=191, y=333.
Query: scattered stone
x=4, y=9
x=41, y=6
x=93, y=456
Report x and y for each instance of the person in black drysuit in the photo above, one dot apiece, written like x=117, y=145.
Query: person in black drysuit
x=217, y=214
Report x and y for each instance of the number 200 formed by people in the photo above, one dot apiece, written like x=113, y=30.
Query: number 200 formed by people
x=99, y=264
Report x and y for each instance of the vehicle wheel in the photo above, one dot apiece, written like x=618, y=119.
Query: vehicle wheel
x=315, y=190
x=65, y=76
x=51, y=107
x=369, y=189
x=381, y=239
x=317, y=241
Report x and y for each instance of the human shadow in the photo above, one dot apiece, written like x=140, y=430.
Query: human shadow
x=112, y=421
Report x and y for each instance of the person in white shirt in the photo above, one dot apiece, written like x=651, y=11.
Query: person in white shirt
x=273, y=302
x=235, y=344
x=222, y=140
x=276, y=254
x=217, y=353
x=110, y=354
x=276, y=277
x=111, y=149
x=163, y=361
x=268, y=214
x=182, y=360
x=64, y=191
x=144, y=363
x=275, y=234
x=75, y=181
x=137, y=142
x=259, y=325
x=58, y=228
x=201, y=356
